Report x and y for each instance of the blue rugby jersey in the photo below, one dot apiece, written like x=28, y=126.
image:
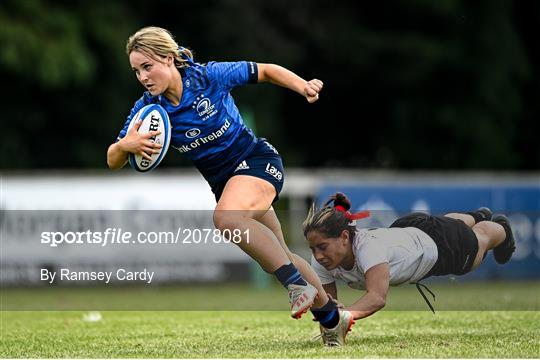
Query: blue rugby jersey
x=206, y=125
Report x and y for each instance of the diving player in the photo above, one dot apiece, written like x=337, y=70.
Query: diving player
x=415, y=247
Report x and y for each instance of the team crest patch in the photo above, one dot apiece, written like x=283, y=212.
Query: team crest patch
x=204, y=107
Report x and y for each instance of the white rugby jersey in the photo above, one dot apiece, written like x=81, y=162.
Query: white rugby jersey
x=409, y=252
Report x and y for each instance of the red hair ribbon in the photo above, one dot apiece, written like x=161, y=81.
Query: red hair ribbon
x=356, y=216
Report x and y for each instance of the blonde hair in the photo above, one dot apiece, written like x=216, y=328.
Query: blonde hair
x=316, y=218
x=157, y=42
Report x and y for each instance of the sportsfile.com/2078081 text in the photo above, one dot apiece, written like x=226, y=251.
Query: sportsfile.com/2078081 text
x=118, y=236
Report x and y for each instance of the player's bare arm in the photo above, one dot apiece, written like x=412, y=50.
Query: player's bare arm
x=377, y=283
x=278, y=75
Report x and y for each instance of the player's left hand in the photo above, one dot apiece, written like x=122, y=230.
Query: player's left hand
x=312, y=90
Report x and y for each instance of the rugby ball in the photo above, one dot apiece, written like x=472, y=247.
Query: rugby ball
x=154, y=118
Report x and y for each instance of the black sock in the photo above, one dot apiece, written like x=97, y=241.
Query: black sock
x=328, y=315
x=288, y=274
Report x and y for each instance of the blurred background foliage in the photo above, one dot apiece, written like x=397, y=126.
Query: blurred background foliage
x=408, y=84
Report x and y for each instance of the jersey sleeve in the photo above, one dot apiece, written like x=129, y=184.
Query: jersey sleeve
x=139, y=104
x=232, y=74
x=324, y=275
x=371, y=253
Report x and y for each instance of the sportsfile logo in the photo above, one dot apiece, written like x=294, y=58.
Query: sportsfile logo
x=272, y=170
x=204, y=107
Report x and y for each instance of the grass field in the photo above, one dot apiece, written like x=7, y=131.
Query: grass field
x=512, y=331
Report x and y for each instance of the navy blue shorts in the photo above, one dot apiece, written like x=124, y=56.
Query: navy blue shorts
x=264, y=162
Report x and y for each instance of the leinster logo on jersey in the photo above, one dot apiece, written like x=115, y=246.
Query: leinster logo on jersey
x=204, y=107
x=191, y=133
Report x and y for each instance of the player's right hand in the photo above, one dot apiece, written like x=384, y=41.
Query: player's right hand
x=140, y=144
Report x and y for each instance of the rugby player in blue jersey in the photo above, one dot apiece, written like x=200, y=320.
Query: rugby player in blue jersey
x=244, y=172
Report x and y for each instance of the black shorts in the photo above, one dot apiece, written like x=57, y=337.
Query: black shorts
x=457, y=244
x=263, y=162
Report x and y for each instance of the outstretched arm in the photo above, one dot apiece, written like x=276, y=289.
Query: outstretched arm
x=377, y=283
x=278, y=75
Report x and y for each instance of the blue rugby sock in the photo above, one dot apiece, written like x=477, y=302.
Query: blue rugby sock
x=328, y=315
x=288, y=274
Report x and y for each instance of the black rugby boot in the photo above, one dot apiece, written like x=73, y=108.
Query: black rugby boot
x=482, y=214
x=503, y=252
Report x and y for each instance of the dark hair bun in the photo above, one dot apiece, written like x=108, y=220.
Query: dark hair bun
x=340, y=199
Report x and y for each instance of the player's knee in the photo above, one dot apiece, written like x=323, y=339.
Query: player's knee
x=229, y=221
x=224, y=221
